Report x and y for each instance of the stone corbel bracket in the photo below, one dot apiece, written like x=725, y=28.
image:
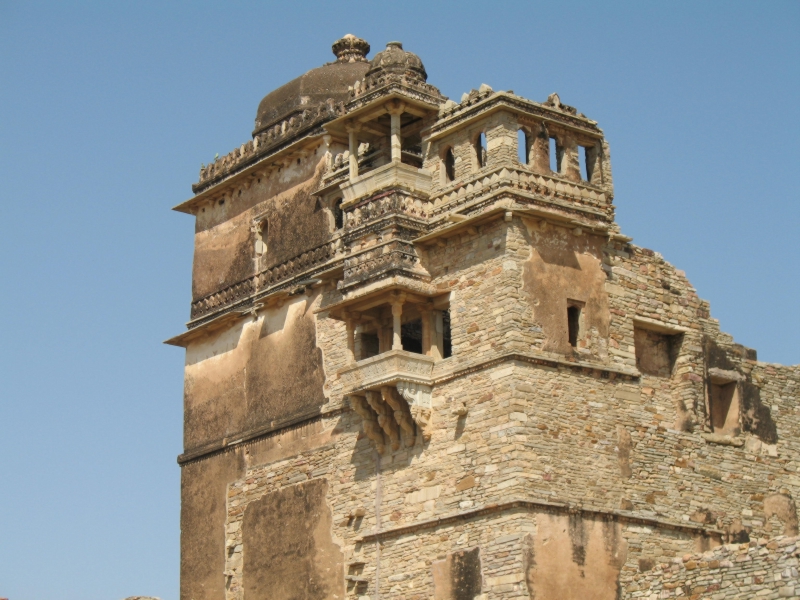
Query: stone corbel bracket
x=418, y=397
x=392, y=394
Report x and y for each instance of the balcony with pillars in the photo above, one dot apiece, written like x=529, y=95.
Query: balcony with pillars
x=394, y=338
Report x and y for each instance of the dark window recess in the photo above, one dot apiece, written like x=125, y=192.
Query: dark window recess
x=480, y=150
x=656, y=352
x=411, y=336
x=556, y=154
x=574, y=324
x=583, y=159
x=450, y=165
x=338, y=214
x=369, y=345
x=447, y=343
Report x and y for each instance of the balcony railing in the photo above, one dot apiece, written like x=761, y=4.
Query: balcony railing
x=389, y=175
x=393, y=368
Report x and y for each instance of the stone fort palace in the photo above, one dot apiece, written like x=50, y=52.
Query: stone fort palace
x=424, y=362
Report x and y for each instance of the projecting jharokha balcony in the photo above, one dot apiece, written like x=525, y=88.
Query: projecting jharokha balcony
x=398, y=336
x=392, y=394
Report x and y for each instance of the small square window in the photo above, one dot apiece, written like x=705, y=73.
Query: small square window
x=656, y=352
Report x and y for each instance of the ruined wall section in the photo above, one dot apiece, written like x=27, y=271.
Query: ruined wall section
x=225, y=239
x=763, y=569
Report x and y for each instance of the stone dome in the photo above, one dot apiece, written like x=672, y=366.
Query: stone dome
x=398, y=62
x=313, y=89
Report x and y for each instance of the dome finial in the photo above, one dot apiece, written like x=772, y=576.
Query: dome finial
x=350, y=49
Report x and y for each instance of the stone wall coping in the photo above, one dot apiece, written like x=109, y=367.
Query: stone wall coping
x=536, y=505
x=536, y=359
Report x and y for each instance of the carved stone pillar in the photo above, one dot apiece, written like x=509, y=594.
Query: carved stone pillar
x=381, y=337
x=395, y=111
x=397, y=313
x=352, y=138
x=437, y=347
x=351, y=339
x=425, y=313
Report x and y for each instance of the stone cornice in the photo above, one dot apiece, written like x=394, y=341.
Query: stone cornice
x=459, y=116
x=529, y=505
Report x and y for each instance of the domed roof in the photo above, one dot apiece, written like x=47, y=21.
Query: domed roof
x=313, y=89
x=396, y=61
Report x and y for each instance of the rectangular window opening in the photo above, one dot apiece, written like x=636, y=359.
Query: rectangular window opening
x=449, y=165
x=411, y=336
x=447, y=344
x=338, y=214
x=583, y=159
x=555, y=157
x=522, y=146
x=480, y=150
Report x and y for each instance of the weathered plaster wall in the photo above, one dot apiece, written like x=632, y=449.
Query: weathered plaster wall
x=287, y=545
x=204, y=486
x=574, y=558
x=224, y=241
x=257, y=373
x=566, y=265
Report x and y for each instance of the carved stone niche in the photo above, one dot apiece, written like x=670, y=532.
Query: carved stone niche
x=395, y=416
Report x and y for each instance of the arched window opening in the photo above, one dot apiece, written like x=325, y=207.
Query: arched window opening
x=449, y=165
x=556, y=154
x=480, y=150
x=338, y=214
x=523, y=146
x=262, y=233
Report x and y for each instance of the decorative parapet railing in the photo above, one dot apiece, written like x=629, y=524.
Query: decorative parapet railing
x=392, y=257
x=267, y=278
x=265, y=142
x=547, y=186
x=478, y=100
x=364, y=92
x=383, y=205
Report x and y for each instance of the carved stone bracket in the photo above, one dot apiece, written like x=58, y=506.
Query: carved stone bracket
x=416, y=394
x=393, y=418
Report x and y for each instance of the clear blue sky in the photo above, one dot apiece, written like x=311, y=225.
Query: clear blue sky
x=108, y=109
